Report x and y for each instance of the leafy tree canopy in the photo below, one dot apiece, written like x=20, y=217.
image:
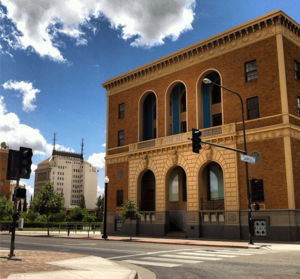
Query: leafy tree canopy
x=6, y=209
x=81, y=214
x=48, y=201
x=82, y=202
x=130, y=211
x=99, y=208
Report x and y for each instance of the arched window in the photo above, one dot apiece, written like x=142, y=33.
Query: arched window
x=176, y=114
x=215, y=186
x=149, y=117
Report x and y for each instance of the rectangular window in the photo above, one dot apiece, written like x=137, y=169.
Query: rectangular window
x=297, y=69
x=3, y=170
x=154, y=133
x=121, y=138
x=171, y=129
x=251, y=70
x=4, y=158
x=183, y=127
x=217, y=119
x=119, y=197
x=2, y=182
x=122, y=110
x=253, y=108
x=257, y=189
x=298, y=101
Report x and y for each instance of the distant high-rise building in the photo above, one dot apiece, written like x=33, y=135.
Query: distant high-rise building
x=69, y=174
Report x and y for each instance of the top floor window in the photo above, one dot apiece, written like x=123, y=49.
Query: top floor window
x=251, y=70
x=253, y=108
x=297, y=69
x=122, y=110
x=4, y=158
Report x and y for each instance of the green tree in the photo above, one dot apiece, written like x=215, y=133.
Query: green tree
x=29, y=216
x=82, y=202
x=48, y=202
x=6, y=209
x=99, y=208
x=60, y=216
x=130, y=212
x=77, y=213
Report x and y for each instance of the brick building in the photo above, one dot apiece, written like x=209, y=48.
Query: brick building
x=4, y=183
x=152, y=110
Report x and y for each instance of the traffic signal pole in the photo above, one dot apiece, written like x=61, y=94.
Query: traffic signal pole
x=13, y=233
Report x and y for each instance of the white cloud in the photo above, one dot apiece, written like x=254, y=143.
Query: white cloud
x=15, y=134
x=26, y=89
x=2, y=106
x=104, y=144
x=100, y=191
x=97, y=160
x=147, y=23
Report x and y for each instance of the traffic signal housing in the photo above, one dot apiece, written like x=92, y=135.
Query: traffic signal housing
x=196, y=138
x=25, y=162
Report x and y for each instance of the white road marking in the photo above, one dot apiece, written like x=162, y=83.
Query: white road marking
x=171, y=260
x=191, y=257
x=207, y=255
x=152, y=263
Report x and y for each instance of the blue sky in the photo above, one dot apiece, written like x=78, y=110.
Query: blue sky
x=54, y=56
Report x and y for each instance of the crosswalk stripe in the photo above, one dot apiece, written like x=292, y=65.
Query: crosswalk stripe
x=152, y=263
x=228, y=253
x=171, y=260
x=191, y=257
x=207, y=255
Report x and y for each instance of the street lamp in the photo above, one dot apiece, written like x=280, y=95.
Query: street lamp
x=208, y=81
x=106, y=180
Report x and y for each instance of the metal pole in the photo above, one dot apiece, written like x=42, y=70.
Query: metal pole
x=246, y=164
x=105, y=213
x=13, y=233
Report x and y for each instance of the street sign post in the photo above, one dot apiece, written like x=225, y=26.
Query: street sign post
x=248, y=159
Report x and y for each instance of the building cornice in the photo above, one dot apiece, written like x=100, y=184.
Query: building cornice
x=245, y=34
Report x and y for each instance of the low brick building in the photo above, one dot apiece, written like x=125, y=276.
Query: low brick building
x=152, y=110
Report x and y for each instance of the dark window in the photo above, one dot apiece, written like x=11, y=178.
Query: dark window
x=298, y=101
x=154, y=111
x=216, y=94
x=122, y=110
x=183, y=103
x=171, y=107
x=183, y=127
x=121, y=138
x=297, y=70
x=154, y=133
x=251, y=70
x=3, y=170
x=257, y=189
x=119, y=197
x=217, y=119
x=171, y=129
x=253, y=108
x=4, y=158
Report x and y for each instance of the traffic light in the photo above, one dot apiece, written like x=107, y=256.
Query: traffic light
x=20, y=193
x=196, y=134
x=12, y=165
x=25, y=162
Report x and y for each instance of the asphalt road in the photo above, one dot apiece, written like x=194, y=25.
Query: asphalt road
x=176, y=261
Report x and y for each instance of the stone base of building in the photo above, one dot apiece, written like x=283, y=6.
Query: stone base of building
x=276, y=225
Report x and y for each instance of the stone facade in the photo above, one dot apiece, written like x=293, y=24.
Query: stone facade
x=273, y=42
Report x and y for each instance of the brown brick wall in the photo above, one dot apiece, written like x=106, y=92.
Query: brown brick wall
x=271, y=169
x=231, y=67
x=296, y=169
x=291, y=52
x=116, y=184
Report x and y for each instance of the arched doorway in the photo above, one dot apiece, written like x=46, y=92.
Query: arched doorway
x=147, y=196
x=212, y=187
x=176, y=194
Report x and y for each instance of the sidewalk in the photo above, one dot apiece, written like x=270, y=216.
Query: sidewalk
x=45, y=264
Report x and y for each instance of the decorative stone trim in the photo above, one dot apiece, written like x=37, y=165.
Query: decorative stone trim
x=245, y=34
